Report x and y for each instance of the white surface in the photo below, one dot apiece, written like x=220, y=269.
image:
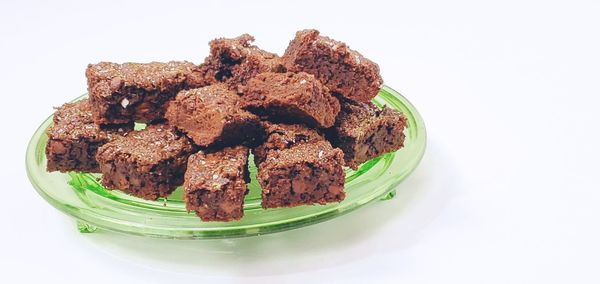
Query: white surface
x=508, y=191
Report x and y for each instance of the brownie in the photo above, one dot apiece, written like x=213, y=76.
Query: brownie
x=215, y=184
x=203, y=75
x=74, y=138
x=212, y=116
x=280, y=136
x=148, y=163
x=123, y=93
x=236, y=60
x=340, y=68
x=363, y=131
x=292, y=97
x=297, y=166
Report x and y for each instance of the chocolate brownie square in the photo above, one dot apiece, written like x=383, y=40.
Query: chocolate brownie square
x=280, y=136
x=291, y=97
x=297, y=166
x=236, y=60
x=148, y=163
x=212, y=116
x=215, y=184
x=123, y=93
x=74, y=138
x=340, y=68
x=363, y=131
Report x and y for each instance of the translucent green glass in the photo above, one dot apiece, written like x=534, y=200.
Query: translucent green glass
x=81, y=196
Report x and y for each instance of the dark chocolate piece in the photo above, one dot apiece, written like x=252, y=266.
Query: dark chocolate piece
x=73, y=139
x=149, y=163
x=364, y=131
x=291, y=97
x=215, y=184
x=213, y=115
x=340, y=68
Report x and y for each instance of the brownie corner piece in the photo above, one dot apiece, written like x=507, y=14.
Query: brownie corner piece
x=215, y=184
x=212, y=115
x=148, y=163
x=341, y=69
x=292, y=97
x=364, y=131
x=74, y=138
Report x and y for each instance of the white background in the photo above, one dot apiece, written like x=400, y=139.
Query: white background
x=508, y=190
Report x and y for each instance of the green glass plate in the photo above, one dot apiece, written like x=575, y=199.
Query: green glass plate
x=81, y=196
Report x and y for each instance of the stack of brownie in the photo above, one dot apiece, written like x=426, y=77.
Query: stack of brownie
x=304, y=116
